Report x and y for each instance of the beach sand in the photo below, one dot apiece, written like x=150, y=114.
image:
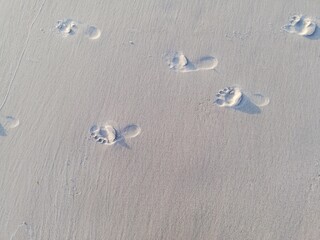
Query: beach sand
x=195, y=170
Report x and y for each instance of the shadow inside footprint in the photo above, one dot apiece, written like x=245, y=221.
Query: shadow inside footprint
x=92, y=32
x=207, y=63
x=130, y=131
x=3, y=131
x=302, y=26
x=315, y=35
x=190, y=67
x=122, y=142
x=247, y=106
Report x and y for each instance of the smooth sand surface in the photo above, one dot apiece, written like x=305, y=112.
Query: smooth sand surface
x=196, y=170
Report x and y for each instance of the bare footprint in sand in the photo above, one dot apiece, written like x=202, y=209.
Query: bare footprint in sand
x=301, y=25
x=92, y=32
x=130, y=131
x=229, y=97
x=206, y=63
x=108, y=133
x=178, y=62
x=104, y=134
x=69, y=27
x=7, y=123
x=238, y=99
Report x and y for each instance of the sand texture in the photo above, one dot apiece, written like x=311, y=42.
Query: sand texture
x=159, y=120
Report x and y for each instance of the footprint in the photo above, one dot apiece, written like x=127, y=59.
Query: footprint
x=69, y=27
x=301, y=25
x=104, y=134
x=92, y=32
x=207, y=63
x=258, y=99
x=180, y=63
x=130, y=131
x=108, y=134
x=7, y=123
x=236, y=98
x=229, y=97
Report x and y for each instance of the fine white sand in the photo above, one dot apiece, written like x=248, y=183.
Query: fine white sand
x=177, y=165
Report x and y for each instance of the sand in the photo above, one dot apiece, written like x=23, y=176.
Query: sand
x=192, y=170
